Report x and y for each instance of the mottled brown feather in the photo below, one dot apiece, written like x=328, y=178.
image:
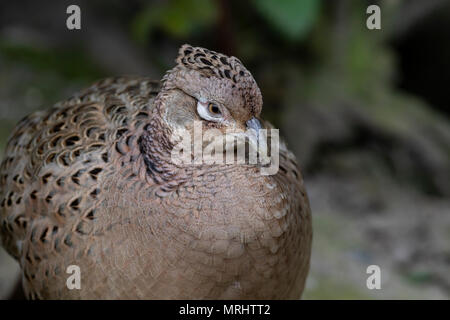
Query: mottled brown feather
x=89, y=182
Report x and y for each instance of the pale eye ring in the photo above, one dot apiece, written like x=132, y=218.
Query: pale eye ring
x=214, y=109
x=209, y=111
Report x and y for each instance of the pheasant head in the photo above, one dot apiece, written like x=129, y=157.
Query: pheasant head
x=218, y=90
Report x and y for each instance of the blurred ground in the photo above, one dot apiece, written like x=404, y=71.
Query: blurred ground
x=412, y=252
x=366, y=113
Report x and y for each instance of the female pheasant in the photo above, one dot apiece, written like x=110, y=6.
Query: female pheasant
x=92, y=183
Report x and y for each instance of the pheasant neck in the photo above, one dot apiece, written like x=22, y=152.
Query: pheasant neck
x=155, y=146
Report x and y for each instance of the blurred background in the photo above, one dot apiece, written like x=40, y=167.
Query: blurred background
x=365, y=111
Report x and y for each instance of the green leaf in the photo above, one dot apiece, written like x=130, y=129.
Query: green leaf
x=293, y=18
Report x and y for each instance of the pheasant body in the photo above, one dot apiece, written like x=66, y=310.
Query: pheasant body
x=91, y=183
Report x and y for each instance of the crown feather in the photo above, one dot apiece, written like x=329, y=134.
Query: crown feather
x=211, y=63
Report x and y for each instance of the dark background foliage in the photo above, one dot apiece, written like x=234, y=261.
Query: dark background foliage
x=365, y=111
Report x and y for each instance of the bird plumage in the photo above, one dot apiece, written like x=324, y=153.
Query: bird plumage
x=90, y=182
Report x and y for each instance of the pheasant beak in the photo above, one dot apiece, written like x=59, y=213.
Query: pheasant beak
x=253, y=133
x=253, y=127
x=254, y=124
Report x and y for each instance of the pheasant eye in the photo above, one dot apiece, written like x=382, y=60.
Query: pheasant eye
x=214, y=109
x=209, y=111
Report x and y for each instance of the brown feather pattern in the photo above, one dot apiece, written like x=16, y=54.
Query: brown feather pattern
x=89, y=182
